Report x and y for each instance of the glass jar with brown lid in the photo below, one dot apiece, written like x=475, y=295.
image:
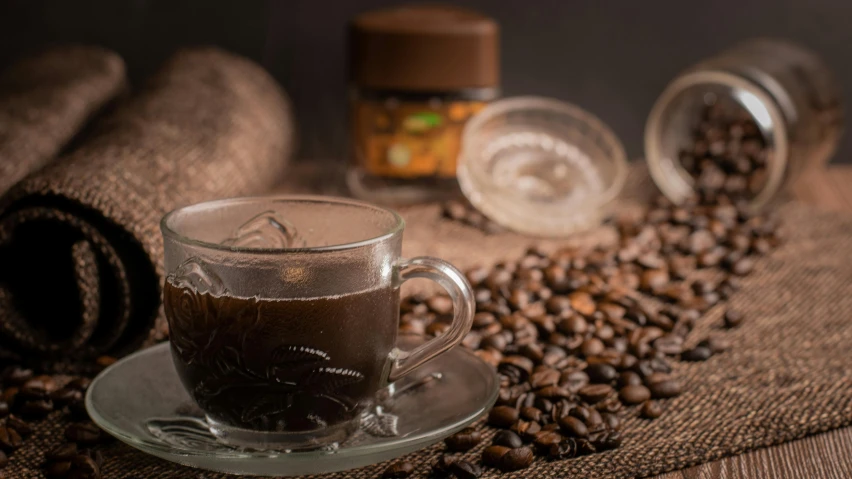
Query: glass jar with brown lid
x=417, y=73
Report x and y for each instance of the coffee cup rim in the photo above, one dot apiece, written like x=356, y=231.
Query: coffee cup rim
x=169, y=231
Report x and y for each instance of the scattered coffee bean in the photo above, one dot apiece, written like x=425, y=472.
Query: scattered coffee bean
x=4, y=459
x=85, y=466
x=635, y=394
x=85, y=433
x=573, y=427
x=733, y=318
x=466, y=470
x=36, y=408
x=594, y=393
x=4, y=409
x=64, y=452
x=545, y=439
x=443, y=464
x=507, y=439
x=698, y=353
x=57, y=469
x=516, y=459
x=464, y=440
x=398, y=470
x=601, y=373
x=15, y=376
x=664, y=387
x=492, y=455
x=80, y=384
x=10, y=440
x=21, y=427
x=651, y=410
x=526, y=429
x=65, y=396
x=503, y=416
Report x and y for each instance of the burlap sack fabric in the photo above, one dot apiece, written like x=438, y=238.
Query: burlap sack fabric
x=212, y=125
x=785, y=377
x=80, y=241
x=46, y=99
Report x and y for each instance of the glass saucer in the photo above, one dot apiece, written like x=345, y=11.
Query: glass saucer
x=141, y=401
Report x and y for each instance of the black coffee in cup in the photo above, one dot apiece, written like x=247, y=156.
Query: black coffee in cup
x=282, y=364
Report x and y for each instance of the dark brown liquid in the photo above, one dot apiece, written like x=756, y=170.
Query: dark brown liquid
x=282, y=365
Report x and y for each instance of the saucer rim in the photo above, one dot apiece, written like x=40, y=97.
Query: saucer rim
x=412, y=442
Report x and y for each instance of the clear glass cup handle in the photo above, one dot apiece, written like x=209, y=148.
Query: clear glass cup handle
x=452, y=280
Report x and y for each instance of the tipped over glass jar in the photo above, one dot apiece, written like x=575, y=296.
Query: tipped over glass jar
x=748, y=121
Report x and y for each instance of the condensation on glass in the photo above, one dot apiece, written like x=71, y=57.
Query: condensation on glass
x=787, y=90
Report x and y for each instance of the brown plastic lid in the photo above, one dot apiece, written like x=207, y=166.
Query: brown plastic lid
x=424, y=48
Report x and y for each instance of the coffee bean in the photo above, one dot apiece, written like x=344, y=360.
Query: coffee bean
x=651, y=410
x=698, y=353
x=4, y=409
x=503, y=416
x=733, y=318
x=742, y=266
x=464, y=440
x=66, y=395
x=595, y=392
x=516, y=459
x=84, y=433
x=443, y=464
x=398, y=470
x=80, y=384
x=582, y=303
x=654, y=278
x=601, y=373
x=629, y=378
x=609, y=440
x=16, y=376
x=592, y=347
x=526, y=429
x=636, y=394
x=36, y=408
x=57, y=469
x=612, y=421
x=573, y=427
x=64, y=452
x=85, y=465
x=543, y=378
x=545, y=439
x=663, y=387
x=507, y=439
x=21, y=427
x=492, y=455
x=10, y=440
x=531, y=414
x=716, y=344
x=4, y=459
x=465, y=470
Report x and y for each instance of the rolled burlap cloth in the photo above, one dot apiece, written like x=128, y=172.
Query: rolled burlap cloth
x=46, y=99
x=79, y=241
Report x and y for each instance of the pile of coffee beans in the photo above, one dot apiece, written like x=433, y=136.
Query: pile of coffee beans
x=582, y=339
x=28, y=398
x=728, y=154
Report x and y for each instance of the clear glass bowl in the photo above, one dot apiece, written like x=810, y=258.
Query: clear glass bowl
x=540, y=166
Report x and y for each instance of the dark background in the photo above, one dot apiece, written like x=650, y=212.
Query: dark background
x=611, y=57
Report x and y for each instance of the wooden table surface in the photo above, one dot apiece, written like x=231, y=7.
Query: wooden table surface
x=824, y=456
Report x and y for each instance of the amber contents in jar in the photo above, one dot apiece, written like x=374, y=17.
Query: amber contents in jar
x=417, y=74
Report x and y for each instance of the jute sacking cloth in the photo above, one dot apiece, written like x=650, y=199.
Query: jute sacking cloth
x=80, y=240
x=46, y=99
x=786, y=376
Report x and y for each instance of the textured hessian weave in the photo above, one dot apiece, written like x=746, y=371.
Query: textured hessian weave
x=785, y=377
x=80, y=240
x=46, y=99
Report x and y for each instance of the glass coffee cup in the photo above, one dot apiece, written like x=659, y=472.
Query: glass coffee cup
x=283, y=314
